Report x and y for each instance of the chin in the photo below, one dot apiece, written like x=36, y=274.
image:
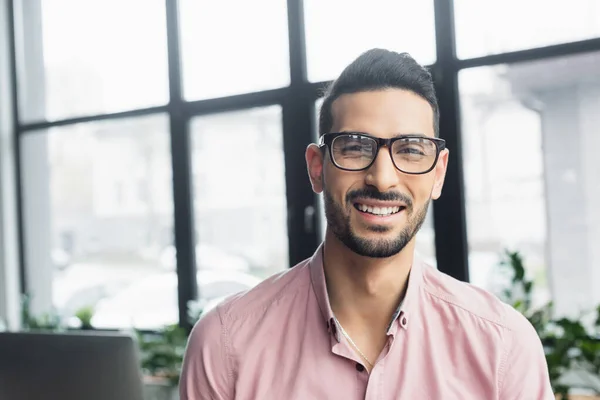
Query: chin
x=377, y=241
x=374, y=236
x=375, y=248
x=377, y=230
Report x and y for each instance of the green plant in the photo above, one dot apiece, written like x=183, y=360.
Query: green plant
x=590, y=349
x=49, y=321
x=85, y=315
x=162, y=352
x=569, y=344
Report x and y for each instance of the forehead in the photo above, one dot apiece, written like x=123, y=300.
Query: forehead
x=383, y=113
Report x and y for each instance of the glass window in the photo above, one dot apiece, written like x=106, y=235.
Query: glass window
x=425, y=241
x=91, y=240
x=227, y=52
x=92, y=57
x=531, y=141
x=425, y=244
x=240, y=193
x=338, y=31
x=492, y=27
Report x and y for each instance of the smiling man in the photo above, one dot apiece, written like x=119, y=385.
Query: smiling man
x=364, y=317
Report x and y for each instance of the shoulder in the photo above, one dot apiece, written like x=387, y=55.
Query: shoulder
x=268, y=295
x=237, y=315
x=467, y=298
x=506, y=337
x=504, y=333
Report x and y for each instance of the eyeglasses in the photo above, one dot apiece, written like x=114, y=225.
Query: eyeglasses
x=355, y=151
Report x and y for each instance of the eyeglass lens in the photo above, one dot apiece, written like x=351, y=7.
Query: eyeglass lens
x=411, y=155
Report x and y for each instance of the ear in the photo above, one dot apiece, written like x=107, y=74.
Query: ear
x=314, y=164
x=440, y=174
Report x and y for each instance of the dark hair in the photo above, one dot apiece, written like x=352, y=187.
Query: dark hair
x=379, y=69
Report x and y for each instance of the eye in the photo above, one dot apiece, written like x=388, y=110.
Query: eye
x=352, y=147
x=411, y=149
x=414, y=147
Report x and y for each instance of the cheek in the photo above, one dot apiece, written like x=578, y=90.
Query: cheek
x=336, y=184
x=421, y=190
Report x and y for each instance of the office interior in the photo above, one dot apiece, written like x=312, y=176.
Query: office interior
x=152, y=154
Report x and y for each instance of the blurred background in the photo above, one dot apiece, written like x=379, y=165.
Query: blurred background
x=152, y=151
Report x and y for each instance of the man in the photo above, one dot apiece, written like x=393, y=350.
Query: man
x=364, y=318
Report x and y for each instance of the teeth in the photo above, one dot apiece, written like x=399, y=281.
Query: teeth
x=378, y=210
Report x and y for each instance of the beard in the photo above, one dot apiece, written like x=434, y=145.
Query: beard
x=339, y=223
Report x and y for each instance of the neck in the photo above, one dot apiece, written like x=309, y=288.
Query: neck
x=365, y=291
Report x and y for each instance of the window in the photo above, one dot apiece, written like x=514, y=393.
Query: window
x=492, y=27
x=98, y=212
x=531, y=173
x=89, y=236
x=240, y=193
x=425, y=242
x=337, y=31
x=233, y=47
x=84, y=58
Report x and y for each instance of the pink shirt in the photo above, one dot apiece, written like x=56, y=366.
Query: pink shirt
x=449, y=340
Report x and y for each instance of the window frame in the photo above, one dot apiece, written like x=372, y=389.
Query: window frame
x=299, y=129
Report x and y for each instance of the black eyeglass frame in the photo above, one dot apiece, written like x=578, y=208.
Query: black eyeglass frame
x=328, y=138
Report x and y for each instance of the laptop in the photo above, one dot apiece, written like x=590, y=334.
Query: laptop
x=69, y=366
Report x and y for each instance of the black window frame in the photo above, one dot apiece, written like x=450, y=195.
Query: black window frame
x=299, y=129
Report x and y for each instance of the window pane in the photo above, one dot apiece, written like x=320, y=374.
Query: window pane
x=338, y=31
x=530, y=150
x=92, y=57
x=492, y=27
x=98, y=220
x=240, y=197
x=226, y=52
x=425, y=244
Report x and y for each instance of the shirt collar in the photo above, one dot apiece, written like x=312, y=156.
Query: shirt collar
x=402, y=313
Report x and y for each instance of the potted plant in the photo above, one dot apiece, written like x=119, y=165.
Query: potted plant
x=49, y=321
x=572, y=347
x=162, y=355
x=161, y=359
x=85, y=315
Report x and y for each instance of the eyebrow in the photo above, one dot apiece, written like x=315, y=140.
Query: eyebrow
x=395, y=136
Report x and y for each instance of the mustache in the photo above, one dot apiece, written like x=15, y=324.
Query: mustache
x=374, y=194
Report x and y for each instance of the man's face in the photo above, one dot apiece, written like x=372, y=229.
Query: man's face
x=351, y=197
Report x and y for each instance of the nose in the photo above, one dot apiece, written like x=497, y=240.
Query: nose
x=382, y=174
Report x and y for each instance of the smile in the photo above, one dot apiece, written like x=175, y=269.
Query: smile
x=379, y=211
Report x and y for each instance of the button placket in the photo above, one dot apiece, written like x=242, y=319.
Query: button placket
x=375, y=382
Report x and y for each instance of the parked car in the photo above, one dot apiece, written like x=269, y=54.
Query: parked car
x=152, y=302
x=207, y=256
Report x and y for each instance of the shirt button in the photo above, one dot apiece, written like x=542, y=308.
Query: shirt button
x=359, y=367
x=403, y=322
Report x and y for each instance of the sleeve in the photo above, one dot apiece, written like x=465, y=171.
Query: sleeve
x=206, y=372
x=524, y=372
